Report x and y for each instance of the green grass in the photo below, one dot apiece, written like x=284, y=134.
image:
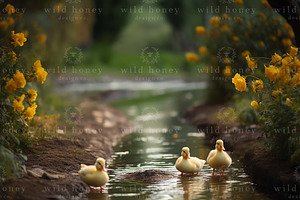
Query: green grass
x=119, y=64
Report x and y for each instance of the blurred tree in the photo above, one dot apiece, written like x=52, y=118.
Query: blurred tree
x=290, y=10
x=111, y=20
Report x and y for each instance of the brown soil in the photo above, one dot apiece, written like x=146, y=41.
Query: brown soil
x=100, y=130
x=149, y=176
x=274, y=176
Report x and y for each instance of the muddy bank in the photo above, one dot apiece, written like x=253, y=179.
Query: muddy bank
x=149, y=176
x=278, y=178
x=53, y=164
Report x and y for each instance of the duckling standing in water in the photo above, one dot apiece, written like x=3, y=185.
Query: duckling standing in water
x=218, y=158
x=187, y=164
x=94, y=175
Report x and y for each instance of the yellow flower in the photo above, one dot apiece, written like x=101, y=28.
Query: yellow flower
x=203, y=50
x=227, y=60
x=30, y=111
x=291, y=34
x=236, y=39
x=227, y=71
x=276, y=58
x=225, y=27
x=10, y=9
x=42, y=39
x=11, y=85
x=18, y=103
x=275, y=92
x=239, y=82
x=32, y=94
x=41, y=75
x=11, y=21
x=25, y=32
x=37, y=65
x=214, y=21
x=265, y=3
x=238, y=2
x=271, y=72
x=20, y=79
x=200, y=30
x=254, y=104
x=238, y=20
x=287, y=42
x=293, y=51
x=273, y=38
x=288, y=27
x=18, y=38
x=246, y=53
x=289, y=101
x=252, y=64
x=192, y=57
x=58, y=7
x=261, y=44
x=286, y=60
x=257, y=85
x=296, y=79
x=3, y=25
x=13, y=55
x=40, y=72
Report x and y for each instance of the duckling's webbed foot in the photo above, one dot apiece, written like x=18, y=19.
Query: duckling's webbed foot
x=223, y=173
x=213, y=172
x=103, y=188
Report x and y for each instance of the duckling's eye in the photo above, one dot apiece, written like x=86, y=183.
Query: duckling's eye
x=99, y=163
x=183, y=151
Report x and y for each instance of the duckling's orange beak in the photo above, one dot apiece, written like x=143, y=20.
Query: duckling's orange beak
x=222, y=147
x=188, y=156
x=103, y=169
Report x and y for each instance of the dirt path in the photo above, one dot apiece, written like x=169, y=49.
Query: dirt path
x=53, y=164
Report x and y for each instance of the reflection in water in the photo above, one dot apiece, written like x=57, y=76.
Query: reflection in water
x=190, y=185
x=218, y=187
x=153, y=146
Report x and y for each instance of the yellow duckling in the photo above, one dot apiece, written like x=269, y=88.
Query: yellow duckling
x=187, y=164
x=94, y=175
x=218, y=158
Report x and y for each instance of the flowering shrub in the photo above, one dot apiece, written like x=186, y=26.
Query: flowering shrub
x=17, y=95
x=275, y=94
x=230, y=38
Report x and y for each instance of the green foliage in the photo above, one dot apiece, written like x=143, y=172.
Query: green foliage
x=257, y=34
x=278, y=121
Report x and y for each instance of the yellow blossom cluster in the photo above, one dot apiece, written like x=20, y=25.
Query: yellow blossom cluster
x=9, y=21
x=23, y=101
x=283, y=73
x=239, y=82
x=18, y=103
x=192, y=57
x=18, y=81
x=40, y=72
x=252, y=63
x=18, y=38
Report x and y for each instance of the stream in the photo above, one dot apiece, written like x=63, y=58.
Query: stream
x=158, y=135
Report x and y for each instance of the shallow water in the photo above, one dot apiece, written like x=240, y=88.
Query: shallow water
x=156, y=143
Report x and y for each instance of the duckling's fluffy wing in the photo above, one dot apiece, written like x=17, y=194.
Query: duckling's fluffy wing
x=211, y=154
x=228, y=157
x=84, y=171
x=178, y=160
x=198, y=162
